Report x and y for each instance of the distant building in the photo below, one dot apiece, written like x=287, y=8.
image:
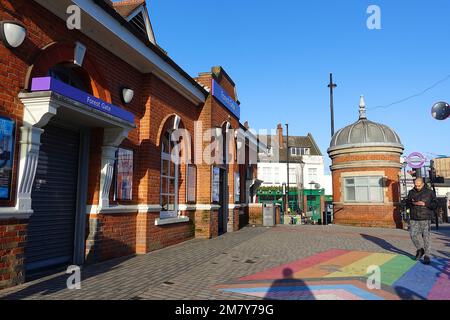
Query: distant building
x=366, y=168
x=442, y=166
x=272, y=166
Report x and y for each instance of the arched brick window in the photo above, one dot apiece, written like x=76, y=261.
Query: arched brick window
x=170, y=168
x=72, y=75
x=169, y=178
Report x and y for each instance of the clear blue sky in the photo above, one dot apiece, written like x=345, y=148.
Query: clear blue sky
x=280, y=54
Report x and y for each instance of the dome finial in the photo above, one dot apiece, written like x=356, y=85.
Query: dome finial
x=362, y=108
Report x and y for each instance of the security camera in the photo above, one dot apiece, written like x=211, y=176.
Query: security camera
x=440, y=111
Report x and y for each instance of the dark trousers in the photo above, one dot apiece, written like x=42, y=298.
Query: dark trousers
x=420, y=234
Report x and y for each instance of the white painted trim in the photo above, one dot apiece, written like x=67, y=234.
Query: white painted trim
x=13, y=213
x=140, y=208
x=118, y=209
x=135, y=13
x=187, y=207
x=366, y=203
x=145, y=208
x=366, y=164
x=194, y=207
x=161, y=222
x=233, y=206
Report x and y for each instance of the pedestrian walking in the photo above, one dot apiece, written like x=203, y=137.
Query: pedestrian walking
x=422, y=202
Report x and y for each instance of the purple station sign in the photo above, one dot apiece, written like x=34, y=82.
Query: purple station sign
x=220, y=94
x=51, y=84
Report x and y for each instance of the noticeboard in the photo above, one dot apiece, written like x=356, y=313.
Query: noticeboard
x=7, y=140
x=191, y=185
x=124, y=177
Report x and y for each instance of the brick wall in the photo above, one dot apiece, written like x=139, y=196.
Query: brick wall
x=386, y=214
x=12, y=243
x=163, y=236
x=118, y=235
x=49, y=42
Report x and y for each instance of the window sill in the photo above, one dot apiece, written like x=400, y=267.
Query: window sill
x=13, y=213
x=118, y=209
x=366, y=203
x=162, y=222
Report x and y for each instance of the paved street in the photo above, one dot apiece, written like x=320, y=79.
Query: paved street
x=214, y=269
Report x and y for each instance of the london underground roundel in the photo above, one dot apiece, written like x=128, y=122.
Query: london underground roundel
x=416, y=160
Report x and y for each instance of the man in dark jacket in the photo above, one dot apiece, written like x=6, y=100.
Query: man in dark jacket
x=422, y=202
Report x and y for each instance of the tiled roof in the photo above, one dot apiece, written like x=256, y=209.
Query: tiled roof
x=127, y=7
x=294, y=141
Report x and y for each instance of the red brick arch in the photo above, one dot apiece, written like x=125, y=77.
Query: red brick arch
x=63, y=52
x=163, y=126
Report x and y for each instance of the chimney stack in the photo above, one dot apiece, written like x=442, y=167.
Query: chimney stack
x=280, y=136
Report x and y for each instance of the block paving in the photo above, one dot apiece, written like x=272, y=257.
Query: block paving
x=198, y=269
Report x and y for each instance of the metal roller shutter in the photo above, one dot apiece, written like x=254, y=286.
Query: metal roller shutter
x=50, y=238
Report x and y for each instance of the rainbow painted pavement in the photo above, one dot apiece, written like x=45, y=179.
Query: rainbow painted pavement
x=342, y=275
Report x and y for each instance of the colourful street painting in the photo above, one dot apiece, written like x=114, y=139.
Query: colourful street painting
x=343, y=275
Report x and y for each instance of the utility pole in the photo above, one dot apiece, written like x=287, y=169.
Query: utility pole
x=332, y=86
x=287, y=163
x=432, y=177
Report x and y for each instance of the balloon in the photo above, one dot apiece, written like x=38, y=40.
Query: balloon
x=440, y=110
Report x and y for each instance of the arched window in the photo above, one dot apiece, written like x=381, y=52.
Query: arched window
x=169, y=177
x=72, y=75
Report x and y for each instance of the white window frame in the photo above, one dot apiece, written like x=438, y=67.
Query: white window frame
x=168, y=157
x=368, y=185
x=313, y=174
x=267, y=174
x=292, y=175
x=276, y=175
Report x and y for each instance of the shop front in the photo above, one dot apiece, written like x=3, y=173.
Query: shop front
x=53, y=167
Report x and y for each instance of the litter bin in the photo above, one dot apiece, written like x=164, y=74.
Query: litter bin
x=268, y=215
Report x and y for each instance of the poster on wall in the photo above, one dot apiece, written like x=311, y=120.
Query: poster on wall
x=237, y=187
x=215, y=185
x=6, y=156
x=191, y=188
x=124, y=178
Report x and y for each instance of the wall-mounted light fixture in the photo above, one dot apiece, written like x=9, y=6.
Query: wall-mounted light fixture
x=12, y=33
x=127, y=95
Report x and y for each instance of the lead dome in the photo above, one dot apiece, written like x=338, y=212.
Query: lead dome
x=365, y=133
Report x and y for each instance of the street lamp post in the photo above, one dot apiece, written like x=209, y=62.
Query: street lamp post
x=405, y=164
x=302, y=164
x=287, y=163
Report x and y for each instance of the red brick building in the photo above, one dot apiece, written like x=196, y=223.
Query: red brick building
x=88, y=119
x=365, y=169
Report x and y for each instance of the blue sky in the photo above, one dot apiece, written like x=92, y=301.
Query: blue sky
x=280, y=54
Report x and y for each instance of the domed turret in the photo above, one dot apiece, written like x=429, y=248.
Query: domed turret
x=365, y=168
x=365, y=133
